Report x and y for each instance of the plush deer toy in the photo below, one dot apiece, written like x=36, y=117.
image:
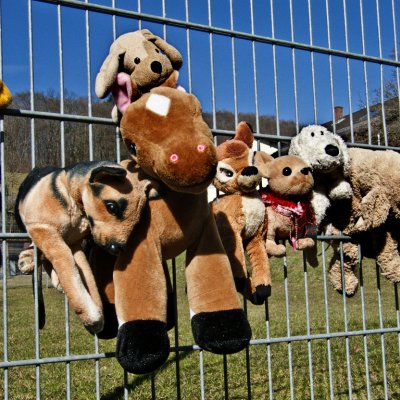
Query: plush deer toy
x=172, y=146
x=239, y=213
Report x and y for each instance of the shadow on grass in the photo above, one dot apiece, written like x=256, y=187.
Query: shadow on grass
x=118, y=392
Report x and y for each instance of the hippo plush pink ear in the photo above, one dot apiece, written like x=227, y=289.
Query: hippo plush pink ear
x=122, y=91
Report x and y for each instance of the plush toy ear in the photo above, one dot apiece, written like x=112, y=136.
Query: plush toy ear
x=108, y=72
x=294, y=148
x=122, y=91
x=106, y=171
x=262, y=161
x=244, y=133
x=346, y=156
x=171, y=52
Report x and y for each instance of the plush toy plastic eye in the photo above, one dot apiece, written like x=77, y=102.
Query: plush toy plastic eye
x=286, y=171
x=312, y=134
x=226, y=172
x=157, y=51
x=112, y=207
x=322, y=132
x=137, y=60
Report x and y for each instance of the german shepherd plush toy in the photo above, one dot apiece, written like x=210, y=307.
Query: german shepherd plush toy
x=59, y=207
x=240, y=214
x=173, y=147
x=138, y=61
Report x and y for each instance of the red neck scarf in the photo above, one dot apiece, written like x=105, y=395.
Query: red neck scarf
x=301, y=214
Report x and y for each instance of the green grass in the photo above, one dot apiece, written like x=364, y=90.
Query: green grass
x=273, y=359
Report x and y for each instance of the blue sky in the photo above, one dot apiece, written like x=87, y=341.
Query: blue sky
x=46, y=58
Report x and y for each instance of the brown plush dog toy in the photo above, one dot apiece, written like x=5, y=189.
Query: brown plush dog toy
x=239, y=213
x=59, y=207
x=288, y=201
x=173, y=146
x=138, y=61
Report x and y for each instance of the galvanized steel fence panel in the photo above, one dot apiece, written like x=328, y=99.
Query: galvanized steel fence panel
x=292, y=61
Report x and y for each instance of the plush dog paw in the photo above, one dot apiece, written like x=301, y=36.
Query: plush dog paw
x=305, y=243
x=221, y=332
x=110, y=328
x=260, y=295
x=142, y=346
x=26, y=262
x=273, y=249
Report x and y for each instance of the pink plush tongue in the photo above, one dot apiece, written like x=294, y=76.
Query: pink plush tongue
x=122, y=91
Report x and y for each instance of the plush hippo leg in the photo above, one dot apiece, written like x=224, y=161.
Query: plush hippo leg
x=218, y=322
x=388, y=257
x=261, y=272
x=141, y=305
x=350, y=261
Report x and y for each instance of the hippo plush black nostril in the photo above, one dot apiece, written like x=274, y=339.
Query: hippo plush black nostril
x=332, y=150
x=305, y=171
x=115, y=248
x=248, y=171
x=156, y=67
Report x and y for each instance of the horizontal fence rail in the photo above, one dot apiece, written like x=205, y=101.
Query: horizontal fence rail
x=279, y=65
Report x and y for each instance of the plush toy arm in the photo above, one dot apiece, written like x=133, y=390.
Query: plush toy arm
x=171, y=52
x=261, y=272
x=48, y=239
x=374, y=210
x=320, y=203
x=342, y=190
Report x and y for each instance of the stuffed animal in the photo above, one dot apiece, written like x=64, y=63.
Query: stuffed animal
x=138, y=61
x=287, y=198
x=99, y=198
x=239, y=213
x=5, y=95
x=327, y=155
x=173, y=147
x=369, y=212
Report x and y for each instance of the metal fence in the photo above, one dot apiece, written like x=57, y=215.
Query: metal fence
x=278, y=64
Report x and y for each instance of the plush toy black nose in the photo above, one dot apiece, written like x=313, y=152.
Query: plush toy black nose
x=332, y=150
x=248, y=171
x=156, y=67
x=114, y=248
x=305, y=171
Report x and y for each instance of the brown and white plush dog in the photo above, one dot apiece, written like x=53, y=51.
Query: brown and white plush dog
x=138, y=61
x=59, y=207
x=239, y=213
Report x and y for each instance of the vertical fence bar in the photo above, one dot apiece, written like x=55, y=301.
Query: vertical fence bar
x=364, y=324
x=176, y=332
x=310, y=30
x=345, y=319
x=381, y=325
x=296, y=104
x=3, y=224
x=210, y=37
x=310, y=360
x=233, y=48
x=382, y=89
x=365, y=74
x=254, y=62
x=349, y=91
x=327, y=328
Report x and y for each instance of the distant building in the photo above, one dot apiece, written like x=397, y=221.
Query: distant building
x=368, y=127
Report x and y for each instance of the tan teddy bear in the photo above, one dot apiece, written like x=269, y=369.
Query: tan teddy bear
x=288, y=204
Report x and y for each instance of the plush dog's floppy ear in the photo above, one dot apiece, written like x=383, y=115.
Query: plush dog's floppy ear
x=171, y=52
x=106, y=171
x=108, y=72
x=346, y=156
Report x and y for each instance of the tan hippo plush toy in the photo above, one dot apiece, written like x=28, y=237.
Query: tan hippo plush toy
x=172, y=146
x=240, y=214
x=360, y=197
x=138, y=61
